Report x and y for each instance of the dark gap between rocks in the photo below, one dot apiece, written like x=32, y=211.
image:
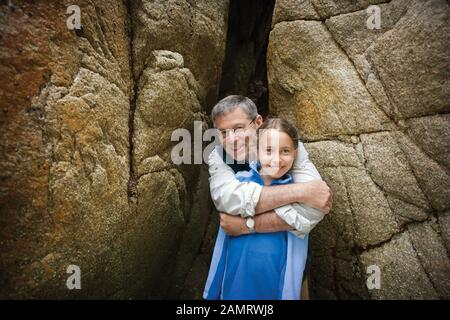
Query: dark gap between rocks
x=244, y=70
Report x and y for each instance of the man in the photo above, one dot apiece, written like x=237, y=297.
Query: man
x=249, y=207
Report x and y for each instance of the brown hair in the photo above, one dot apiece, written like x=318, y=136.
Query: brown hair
x=281, y=125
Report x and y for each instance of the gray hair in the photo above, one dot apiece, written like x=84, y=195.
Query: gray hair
x=231, y=103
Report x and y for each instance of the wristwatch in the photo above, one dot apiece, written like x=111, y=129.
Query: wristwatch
x=250, y=223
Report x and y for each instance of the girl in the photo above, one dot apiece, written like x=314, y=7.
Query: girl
x=262, y=265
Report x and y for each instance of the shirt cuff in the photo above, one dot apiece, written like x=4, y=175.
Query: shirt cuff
x=301, y=225
x=251, y=200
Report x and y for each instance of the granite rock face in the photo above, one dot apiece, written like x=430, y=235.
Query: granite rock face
x=86, y=120
x=86, y=176
x=372, y=106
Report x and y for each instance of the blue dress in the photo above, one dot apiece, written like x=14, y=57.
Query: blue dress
x=257, y=266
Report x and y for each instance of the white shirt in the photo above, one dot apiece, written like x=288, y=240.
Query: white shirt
x=240, y=198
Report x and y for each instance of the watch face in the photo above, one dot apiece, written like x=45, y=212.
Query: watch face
x=250, y=223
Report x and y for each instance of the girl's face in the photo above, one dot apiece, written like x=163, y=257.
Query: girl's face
x=276, y=153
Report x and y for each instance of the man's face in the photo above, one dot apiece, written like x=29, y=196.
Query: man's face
x=276, y=153
x=238, y=133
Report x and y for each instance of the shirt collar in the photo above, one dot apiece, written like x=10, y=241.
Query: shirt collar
x=287, y=178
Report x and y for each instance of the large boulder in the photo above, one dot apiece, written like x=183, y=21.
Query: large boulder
x=178, y=48
x=87, y=116
x=194, y=29
x=64, y=148
x=372, y=107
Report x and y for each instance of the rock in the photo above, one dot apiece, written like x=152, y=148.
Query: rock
x=327, y=8
x=196, y=30
x=325, y=268
x=373, y=218
x=435, y=262
x=333, y=154
x=336, y=229
x=432, y=135
x=401, y=273
x=290, y=10
x=178, y=84
x=348, y=268
x=192, y=242
x=417, y=49
x=191, y=289
x=314, y=84
x=379, y=51
x=351, y=32
x=433, y=179
x=64, y=149
x=166, y=92
x=389, y=168
x=196, y=277
x=406, y=212
x=244, y=69
x=86, y=177
x=444, y=226
x=361, y=212
x=159, y=215
x=371, y=107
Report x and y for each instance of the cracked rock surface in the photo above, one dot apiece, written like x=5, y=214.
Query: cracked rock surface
x=86, y=119
x=373, y=108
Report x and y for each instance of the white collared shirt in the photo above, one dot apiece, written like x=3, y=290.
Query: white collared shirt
x=240, y=198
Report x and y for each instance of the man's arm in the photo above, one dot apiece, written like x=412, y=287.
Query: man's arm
x=297, y=218
x=247, y=198
x=270, y=222
x=316, y=193
x=264, y=223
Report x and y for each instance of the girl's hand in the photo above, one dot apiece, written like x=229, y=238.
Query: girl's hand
x=233, y=225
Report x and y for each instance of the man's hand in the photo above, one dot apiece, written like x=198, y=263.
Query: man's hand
x=233, y=225
x=316, y=194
